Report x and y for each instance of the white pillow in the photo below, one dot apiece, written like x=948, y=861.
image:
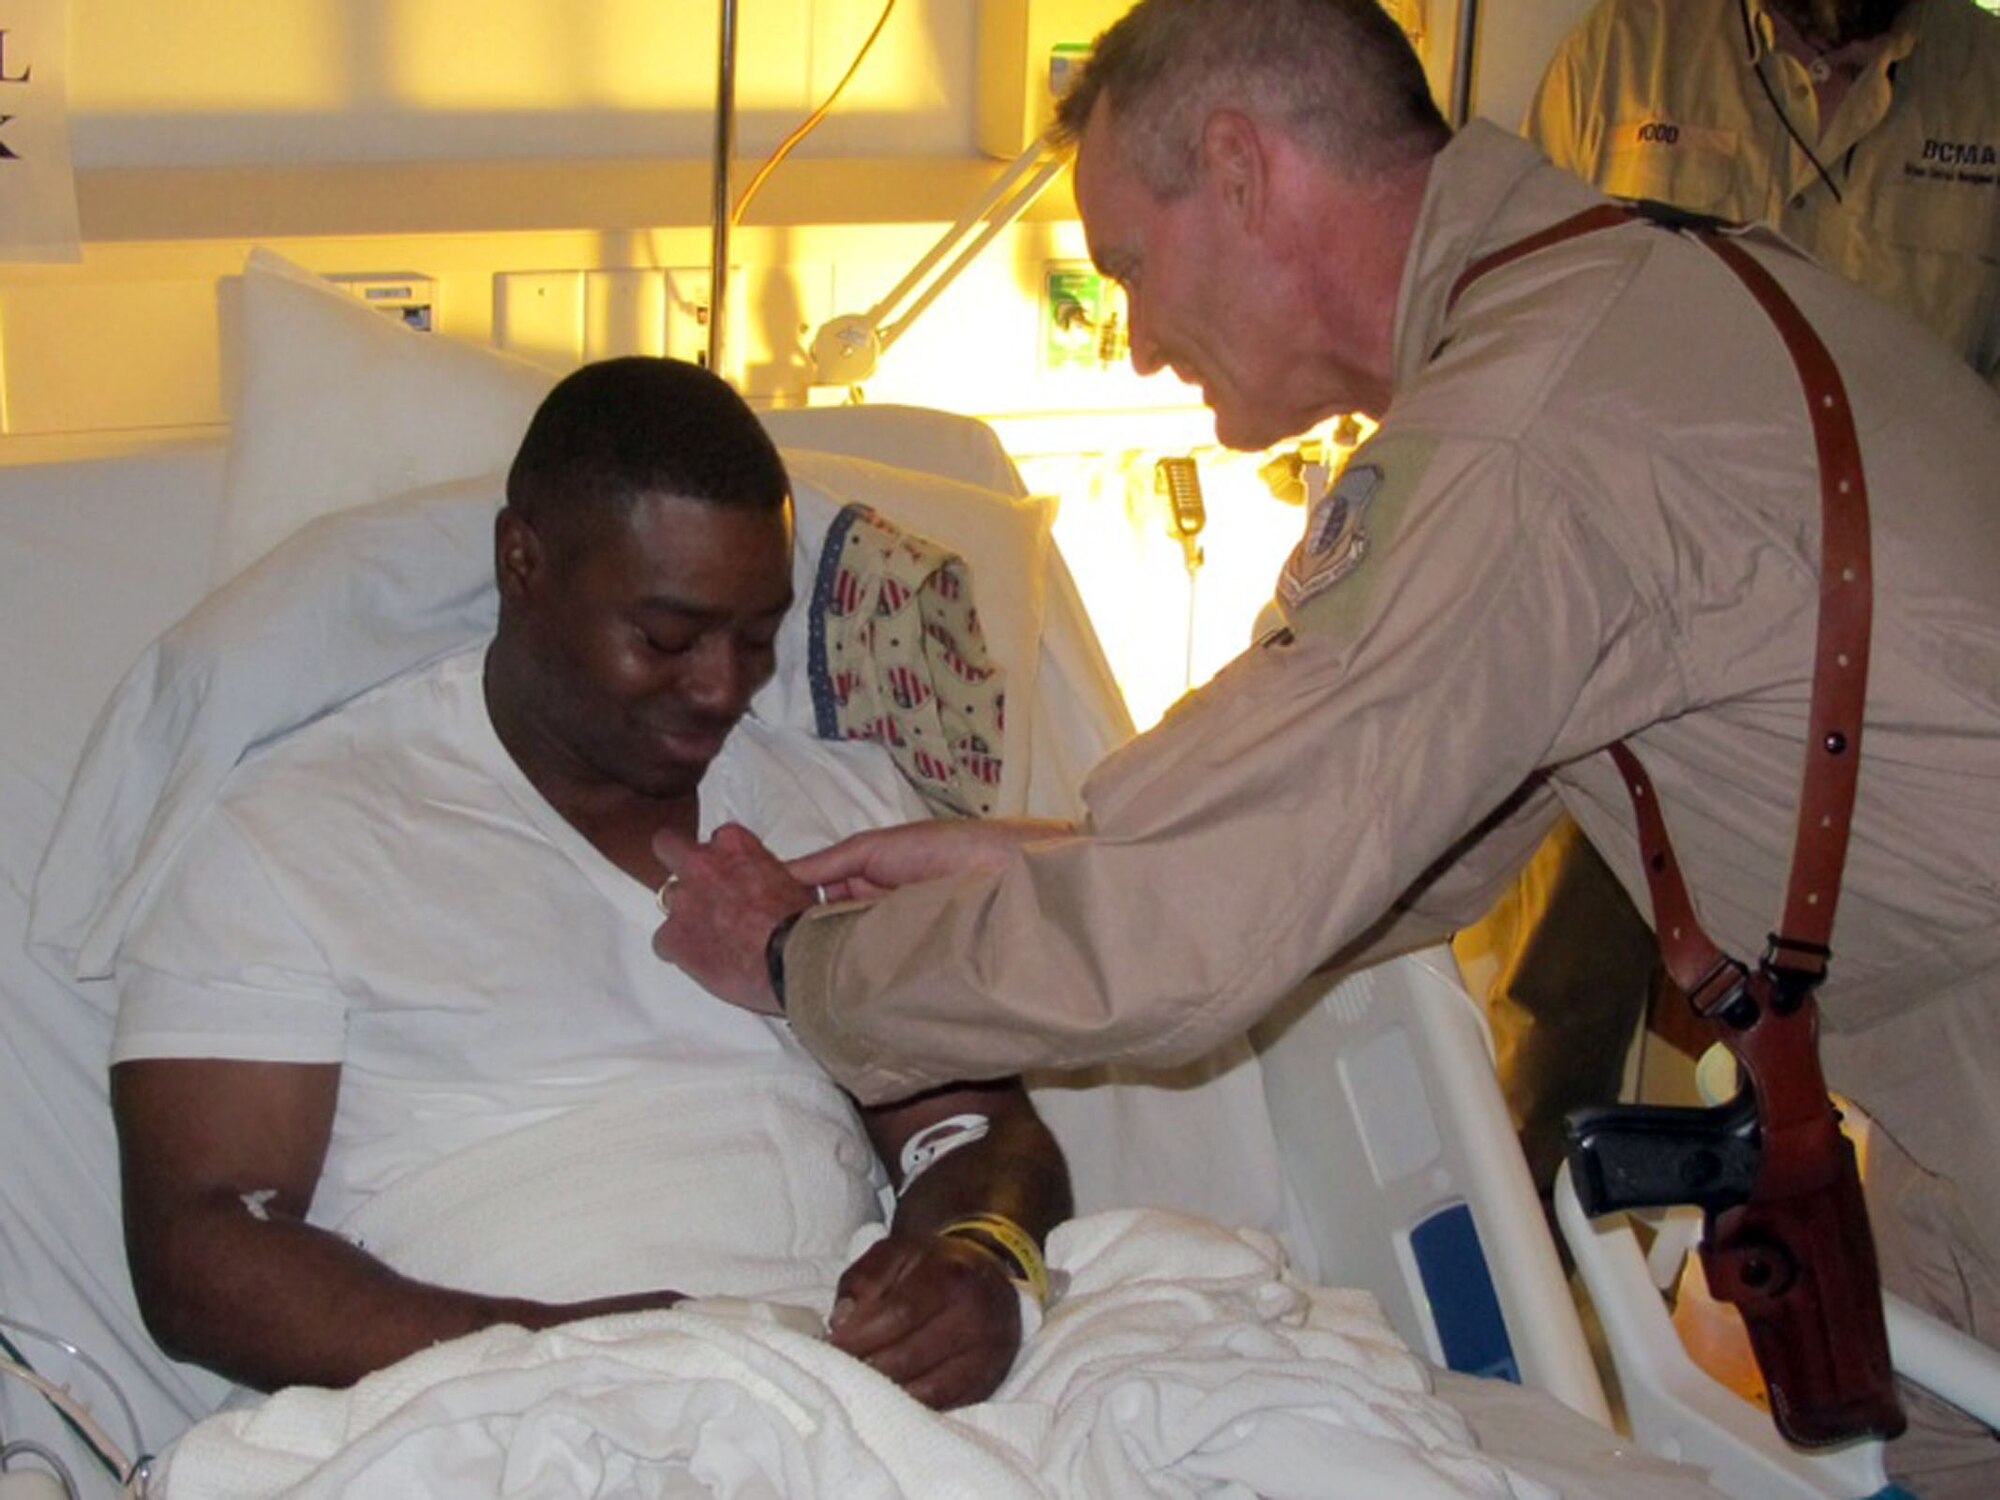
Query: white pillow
x=338, y=406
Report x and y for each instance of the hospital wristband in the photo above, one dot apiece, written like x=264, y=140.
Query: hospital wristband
x=774, y=957
x=1008, y=1243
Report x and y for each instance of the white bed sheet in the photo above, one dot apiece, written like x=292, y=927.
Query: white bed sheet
x=1184, y=1362
x=95, y=559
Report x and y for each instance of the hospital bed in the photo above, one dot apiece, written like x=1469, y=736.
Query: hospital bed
x=1362, y=1128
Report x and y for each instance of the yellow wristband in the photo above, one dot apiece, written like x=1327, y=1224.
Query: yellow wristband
x=1007, y=1242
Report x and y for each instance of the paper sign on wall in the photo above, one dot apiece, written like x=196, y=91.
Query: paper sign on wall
x=37, y=183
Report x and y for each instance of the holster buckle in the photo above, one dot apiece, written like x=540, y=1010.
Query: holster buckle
x=1793, y=969
x=1723, y=994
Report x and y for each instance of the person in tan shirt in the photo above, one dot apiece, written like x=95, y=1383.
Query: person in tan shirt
x=1590, y=514
x=1868, y=132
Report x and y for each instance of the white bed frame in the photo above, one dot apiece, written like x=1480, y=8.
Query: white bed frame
x=1409, y=1180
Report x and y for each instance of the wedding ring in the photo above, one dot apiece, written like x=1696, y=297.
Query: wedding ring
x=819, y=895
x=664, y=898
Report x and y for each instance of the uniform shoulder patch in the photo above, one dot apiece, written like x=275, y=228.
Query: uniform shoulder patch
x=1336, y=538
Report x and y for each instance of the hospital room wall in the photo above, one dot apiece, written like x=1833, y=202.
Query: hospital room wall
x=473, y=140
x=485, y=144
x=219, y=83
x=361, y=132
x=214, y=82
x=203, y=83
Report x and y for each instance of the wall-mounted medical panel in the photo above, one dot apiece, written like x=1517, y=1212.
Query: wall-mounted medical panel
x=107, y=346
x=1023, y=45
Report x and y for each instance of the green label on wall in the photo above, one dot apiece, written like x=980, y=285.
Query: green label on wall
x=1080, y=306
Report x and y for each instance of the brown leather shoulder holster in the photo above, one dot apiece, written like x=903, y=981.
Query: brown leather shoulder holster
x=1786, y=1236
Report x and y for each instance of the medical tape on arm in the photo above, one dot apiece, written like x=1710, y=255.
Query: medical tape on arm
x=933, y=1143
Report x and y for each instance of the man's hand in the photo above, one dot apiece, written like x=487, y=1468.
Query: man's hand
x=720, y=903
x=937, y=1316
x=871, y=864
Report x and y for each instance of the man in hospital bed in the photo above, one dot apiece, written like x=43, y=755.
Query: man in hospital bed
x=344, y=1141
x=508, y=1097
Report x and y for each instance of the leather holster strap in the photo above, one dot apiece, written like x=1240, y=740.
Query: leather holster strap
x=1846, y=610
x=1840, y=668
x=1604, y=216
x=1795, y=1256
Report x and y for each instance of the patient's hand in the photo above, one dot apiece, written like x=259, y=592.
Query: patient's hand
x=871, y=864
x=937, y=1316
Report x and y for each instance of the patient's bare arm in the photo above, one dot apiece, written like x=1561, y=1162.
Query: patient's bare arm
x=939, y=1315
x=220, y=1160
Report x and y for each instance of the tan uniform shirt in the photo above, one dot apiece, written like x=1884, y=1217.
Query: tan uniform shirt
x=1661, y=99
x=1591, y=512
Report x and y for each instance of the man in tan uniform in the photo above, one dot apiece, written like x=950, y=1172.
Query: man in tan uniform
x=1868, y=131
x=1591, y=513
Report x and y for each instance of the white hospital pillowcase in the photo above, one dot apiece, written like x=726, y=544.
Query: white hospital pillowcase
x=335, y=611
x=339, y=406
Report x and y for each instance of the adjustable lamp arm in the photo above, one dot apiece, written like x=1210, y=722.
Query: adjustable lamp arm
x=847, y=349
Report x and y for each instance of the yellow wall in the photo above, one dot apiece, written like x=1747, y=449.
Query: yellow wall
x=478, y=142
x=220, y=82
x=472, y=140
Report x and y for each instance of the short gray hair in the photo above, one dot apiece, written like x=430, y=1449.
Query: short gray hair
x=1338, y=75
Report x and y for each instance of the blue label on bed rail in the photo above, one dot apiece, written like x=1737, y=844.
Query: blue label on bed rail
x=1464, y=1305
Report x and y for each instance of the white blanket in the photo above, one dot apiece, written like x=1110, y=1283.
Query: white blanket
x=1184, y=1361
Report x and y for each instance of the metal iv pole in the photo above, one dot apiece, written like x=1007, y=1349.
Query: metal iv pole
x=1463, y=57
x=725, y=149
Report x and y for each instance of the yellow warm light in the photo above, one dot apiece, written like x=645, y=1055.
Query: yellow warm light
x=1166, y=629
x=140, y=56
x=506, y=56
x=904, y=74
x=642, y=55
x=529, y=55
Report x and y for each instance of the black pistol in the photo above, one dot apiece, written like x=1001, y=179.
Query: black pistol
x=1785, y=1235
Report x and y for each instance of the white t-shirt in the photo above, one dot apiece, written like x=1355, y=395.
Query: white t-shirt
x=385, y=890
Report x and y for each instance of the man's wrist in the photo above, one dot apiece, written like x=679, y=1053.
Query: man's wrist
x=1009, y=1244
x=774, y=957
